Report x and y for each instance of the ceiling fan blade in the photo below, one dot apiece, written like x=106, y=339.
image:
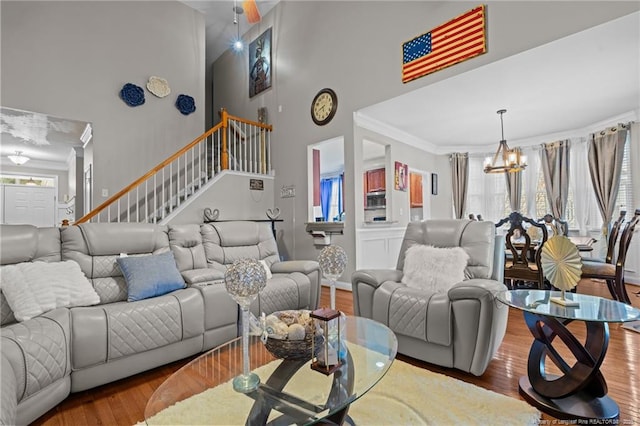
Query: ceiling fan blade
x=251, y=11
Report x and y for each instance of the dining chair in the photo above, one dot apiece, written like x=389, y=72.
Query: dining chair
x=555, y=226
x=612, y=239
x=522, y=262
x=613, y=273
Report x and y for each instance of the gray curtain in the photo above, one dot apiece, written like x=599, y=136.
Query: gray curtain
x=514, y=190
x=459, y=178
x=606, y=150
x=554, y=158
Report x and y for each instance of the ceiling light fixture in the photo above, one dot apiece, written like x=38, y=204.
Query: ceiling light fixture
x=237, y=10
x=505, y=160
x=18, y=159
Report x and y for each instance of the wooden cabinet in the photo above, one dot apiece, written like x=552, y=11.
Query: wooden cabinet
x=375, y=180
x=415, y=190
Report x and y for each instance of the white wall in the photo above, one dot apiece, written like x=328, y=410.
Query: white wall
x=71, y=58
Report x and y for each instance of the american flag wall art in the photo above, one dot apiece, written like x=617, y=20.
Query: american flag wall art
x=454, y=41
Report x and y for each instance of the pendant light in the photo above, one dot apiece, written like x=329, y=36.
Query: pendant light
x=238, y=45
x=505, y=160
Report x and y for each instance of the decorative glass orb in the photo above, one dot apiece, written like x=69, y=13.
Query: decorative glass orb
x=332, y=260
x=244, y=279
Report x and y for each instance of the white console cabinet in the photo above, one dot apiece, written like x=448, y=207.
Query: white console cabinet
x=378, y=248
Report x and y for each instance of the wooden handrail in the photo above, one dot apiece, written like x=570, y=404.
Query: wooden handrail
x=253, y=123
x=147, y=175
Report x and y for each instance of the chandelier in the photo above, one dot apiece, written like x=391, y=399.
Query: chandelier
x=18, y=159
x=505, y=160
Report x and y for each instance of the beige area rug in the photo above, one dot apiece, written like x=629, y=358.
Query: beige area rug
x=406, y=395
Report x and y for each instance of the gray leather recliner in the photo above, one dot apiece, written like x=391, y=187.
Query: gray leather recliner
x=461, y=328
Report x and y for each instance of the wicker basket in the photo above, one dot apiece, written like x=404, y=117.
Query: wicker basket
x=294, y=350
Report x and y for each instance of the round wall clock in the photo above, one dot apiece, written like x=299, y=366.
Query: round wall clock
x=324, y=106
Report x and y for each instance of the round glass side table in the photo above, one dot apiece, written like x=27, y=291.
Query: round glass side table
x=580, y=391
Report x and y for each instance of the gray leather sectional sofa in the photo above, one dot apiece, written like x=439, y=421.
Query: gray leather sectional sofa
x=66, y=350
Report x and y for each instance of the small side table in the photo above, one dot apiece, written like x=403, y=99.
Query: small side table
x=581, y=391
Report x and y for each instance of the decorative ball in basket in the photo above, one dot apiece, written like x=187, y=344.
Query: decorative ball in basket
x=290, y=334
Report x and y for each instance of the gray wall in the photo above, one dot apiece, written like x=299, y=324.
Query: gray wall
x=355, y=48
x=70, y=59
x=230, y=194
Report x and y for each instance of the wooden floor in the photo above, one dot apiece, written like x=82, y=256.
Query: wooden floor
x=123, y=402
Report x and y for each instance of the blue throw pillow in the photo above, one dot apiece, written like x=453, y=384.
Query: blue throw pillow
x=150, y=276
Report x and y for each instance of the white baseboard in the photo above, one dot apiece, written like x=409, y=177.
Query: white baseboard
x=342, y=285
x=632, y=278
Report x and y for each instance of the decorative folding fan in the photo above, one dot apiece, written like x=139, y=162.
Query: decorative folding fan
x=562, y=265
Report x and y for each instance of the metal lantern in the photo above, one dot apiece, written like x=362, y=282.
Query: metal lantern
x=326, y=359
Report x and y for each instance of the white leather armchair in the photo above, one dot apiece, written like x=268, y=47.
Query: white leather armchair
x=461, y=328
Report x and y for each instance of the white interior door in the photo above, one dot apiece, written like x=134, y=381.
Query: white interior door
x=33, y=205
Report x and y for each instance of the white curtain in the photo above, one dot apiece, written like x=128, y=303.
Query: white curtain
x=530, y=183
x=583, y=198
x=486, y=193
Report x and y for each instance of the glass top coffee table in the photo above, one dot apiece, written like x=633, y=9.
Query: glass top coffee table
x=580, y=391
x=290, y=392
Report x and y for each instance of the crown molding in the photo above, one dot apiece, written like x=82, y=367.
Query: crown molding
x=366, y=122
x=377, y=126
x=33, y=164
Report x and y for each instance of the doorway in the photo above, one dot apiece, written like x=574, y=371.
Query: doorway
x=419, y=195
x=326, y=181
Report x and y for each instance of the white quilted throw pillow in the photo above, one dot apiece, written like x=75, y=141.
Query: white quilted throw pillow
x=32, y=288
x=26, y=298
x=434, y=269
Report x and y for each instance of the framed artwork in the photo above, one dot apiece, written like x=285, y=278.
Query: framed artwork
x=256, y=184
x=401, y=176
x=434, y=184
x=260, y=64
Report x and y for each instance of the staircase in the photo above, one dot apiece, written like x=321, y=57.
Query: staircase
x=233, y=144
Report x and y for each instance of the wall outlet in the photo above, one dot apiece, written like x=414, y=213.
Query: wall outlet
x=105, y=192
x=288, y=191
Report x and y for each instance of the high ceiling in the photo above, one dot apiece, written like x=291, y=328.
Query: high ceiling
x=568, y=87
x=557, y=90
x=220, y=29
x=553, y=91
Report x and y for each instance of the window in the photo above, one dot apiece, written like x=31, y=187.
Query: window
x=542, y=202
x=331, y=199
x=625, y=191
x=27, y=180
x=486, y=193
